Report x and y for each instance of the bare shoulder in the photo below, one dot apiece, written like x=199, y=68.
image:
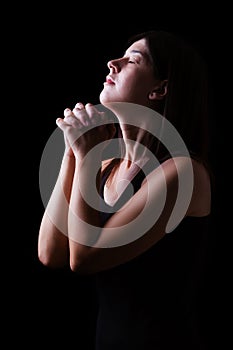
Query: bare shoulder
x=193, y=176
x=172, y=169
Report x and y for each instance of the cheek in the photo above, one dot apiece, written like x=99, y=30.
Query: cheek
x=138, y=87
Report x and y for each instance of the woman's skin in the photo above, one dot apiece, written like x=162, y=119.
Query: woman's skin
x=71, y=231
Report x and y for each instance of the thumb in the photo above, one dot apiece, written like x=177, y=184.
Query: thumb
x=60, y=123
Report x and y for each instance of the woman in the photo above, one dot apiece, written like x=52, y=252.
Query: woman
x=137, y=219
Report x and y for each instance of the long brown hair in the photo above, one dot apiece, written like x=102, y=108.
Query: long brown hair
x=186, y=104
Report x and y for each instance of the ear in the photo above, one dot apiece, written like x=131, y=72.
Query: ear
x=159, y=91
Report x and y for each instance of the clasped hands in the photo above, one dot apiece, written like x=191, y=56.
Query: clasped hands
x=85, y=127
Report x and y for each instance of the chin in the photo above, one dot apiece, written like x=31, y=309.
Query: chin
x=104, y=99
x=107, y=99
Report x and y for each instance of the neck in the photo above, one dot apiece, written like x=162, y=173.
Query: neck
x=137, y=144
x=138, y=124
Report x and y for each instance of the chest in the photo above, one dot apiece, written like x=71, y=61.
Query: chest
x=118, y=184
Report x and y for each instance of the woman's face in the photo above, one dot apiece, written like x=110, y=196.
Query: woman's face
x=130, y=77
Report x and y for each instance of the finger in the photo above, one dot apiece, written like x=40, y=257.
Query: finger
x=61, y=123
x=73, y=121
x=105, y=118
x=71, y=133
x=81, y=115
x=107, y=124
x=94, y=115
x=68, y=112
x=79, y=105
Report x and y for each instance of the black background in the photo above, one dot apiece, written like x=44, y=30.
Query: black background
x=60, y=57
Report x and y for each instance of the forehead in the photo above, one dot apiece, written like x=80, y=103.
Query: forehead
x=139, y=47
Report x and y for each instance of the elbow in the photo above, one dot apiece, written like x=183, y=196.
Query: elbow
x=42, y=255
x=46, y=260
x=76, y=267
x=52, y=261
x=81, y=266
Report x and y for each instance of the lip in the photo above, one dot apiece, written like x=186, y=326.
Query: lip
x=109, y=80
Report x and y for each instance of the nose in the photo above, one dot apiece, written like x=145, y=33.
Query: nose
x=114, y=65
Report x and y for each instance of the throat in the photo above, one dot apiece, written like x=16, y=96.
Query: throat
x=121, y=180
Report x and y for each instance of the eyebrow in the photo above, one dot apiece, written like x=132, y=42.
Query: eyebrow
x=135, y=51
x=143, y=54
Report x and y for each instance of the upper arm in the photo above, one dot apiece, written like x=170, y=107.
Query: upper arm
x=144, y=219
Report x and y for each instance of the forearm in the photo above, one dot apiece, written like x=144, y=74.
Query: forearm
x=53, y=241
x=83, y=218
x=83, y=211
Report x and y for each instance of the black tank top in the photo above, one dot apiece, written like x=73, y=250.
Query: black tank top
x=151, y=302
